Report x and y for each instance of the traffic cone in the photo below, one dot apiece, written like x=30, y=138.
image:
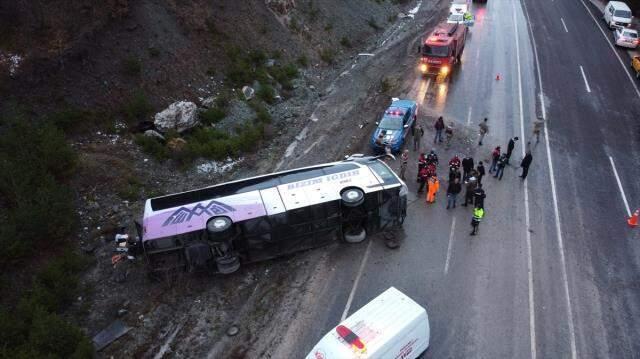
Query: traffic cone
x=498, y=77
x=633, y=220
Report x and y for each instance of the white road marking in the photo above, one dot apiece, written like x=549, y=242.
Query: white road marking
x=564, y=25
x=624, y=197
x=532, y=315
x=446, y=262
x=469, y=117
x=635, y=86
x=313, y=144
x=586, y=83
x=355, y=283
x=554, y=195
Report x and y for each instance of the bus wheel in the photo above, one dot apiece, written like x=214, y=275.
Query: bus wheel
x=228, y=264
x=352, y=197
x=355, y=234
x=219, y=228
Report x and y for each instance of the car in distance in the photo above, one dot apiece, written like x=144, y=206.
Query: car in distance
x=617, y=14
x=398, y=120
x=626, y=37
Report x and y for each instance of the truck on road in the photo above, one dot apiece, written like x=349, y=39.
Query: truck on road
x=442, y=49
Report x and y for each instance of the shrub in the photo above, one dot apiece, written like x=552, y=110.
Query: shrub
x=327, y=55
x=137, y=108
x=284, y=75
x=328, y=27
x=373, y=24
x=212, y=115
x=385, y=85
x=303, y=60
x=344, y=41
x=131, y=66
x=153, y=51
x=266, y=93
x=262, y=115
x=152, y=146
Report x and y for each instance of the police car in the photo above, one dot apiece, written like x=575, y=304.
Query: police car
x=394, y=126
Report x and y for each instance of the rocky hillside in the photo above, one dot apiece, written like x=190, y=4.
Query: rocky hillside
x=97, y=54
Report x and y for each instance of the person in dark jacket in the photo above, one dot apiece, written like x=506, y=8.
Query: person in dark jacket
x=502, y=162
x=454, y=173
x=470, y=186
x=480, y=170
x=467, y=166
x=510, y=146
x=439, y=126
x=452, y=193
x=526, y=162
x=422, y=178
x=432, y=157
x=479, y=196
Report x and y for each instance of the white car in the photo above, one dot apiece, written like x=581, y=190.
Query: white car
x=626, y=37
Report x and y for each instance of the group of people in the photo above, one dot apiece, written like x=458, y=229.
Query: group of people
x=470, y=179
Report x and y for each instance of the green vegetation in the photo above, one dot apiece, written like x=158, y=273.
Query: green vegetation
x=266, y=93
x=385, y=85
x=131, y=66
x=212, y=115
x=245, y=68
x=303, y=60
x=137, y=108
x=373, y=24
x=328, y=27
x=37, y=217
x=73, y=120
x=327, y=55
x=153, y=51
x=344, y=41
x=152, y=146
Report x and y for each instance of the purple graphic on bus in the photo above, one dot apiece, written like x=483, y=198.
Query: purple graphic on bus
x=184, y=214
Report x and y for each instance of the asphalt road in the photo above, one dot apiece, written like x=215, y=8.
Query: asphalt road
x=554, y=270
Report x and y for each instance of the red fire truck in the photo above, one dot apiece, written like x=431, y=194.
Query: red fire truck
x=442, y=49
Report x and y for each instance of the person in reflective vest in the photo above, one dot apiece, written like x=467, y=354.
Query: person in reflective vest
x=433, y=187
x=478, y=214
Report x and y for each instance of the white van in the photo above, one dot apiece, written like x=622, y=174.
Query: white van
x=617, y=14
x=390, y=326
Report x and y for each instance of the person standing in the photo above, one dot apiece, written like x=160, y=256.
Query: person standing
x=422, y=178
x=432, y=157
x=502, y=162
x=454, y=161
x=526, y=162
x=449, y=133
x=495, y=156
x=510, y=146
x=452, y=193
x=439, y=126
x=484, y=129
x=470, y=187
x=479, y=196
x=480, y=170
x=454, y=173
x=404, y=158
x=467, y=166
x=432, y=190
x=537, y=127
x=417, y=137
x=478, y=214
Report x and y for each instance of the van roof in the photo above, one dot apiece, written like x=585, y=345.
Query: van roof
x=619, y=5
x=380, y=320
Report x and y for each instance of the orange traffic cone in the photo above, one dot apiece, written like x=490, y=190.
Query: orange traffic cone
x=498, y=77
x=633, y=220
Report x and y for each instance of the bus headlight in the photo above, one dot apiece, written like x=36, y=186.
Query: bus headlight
x=444, y=70
x=423, y=68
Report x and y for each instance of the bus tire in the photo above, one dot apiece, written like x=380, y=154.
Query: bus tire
x=352, y=197
x=227, y=264
x=219, y=228
x=354, y=236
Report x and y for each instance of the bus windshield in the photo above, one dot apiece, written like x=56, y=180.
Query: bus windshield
x=435, y=51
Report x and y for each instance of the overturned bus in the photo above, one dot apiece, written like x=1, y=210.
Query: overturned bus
x=259, y=218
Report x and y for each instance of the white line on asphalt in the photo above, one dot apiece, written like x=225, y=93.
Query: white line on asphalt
x=624, y=197
x=586, y=83
x=564, y=25
x=532, y=315
x=554, y=195
x=635, y=87
x=355, y=283
x=469, y=117
x=446, y=262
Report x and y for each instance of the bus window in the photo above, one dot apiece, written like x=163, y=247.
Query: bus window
x=301, y=176
x=384, y=172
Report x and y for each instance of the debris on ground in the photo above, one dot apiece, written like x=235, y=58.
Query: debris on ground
x=108, y=335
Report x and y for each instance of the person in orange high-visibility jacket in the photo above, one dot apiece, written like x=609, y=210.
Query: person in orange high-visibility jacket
x=434, y=186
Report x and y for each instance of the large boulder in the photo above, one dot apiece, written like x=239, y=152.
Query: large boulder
x=179, y=116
